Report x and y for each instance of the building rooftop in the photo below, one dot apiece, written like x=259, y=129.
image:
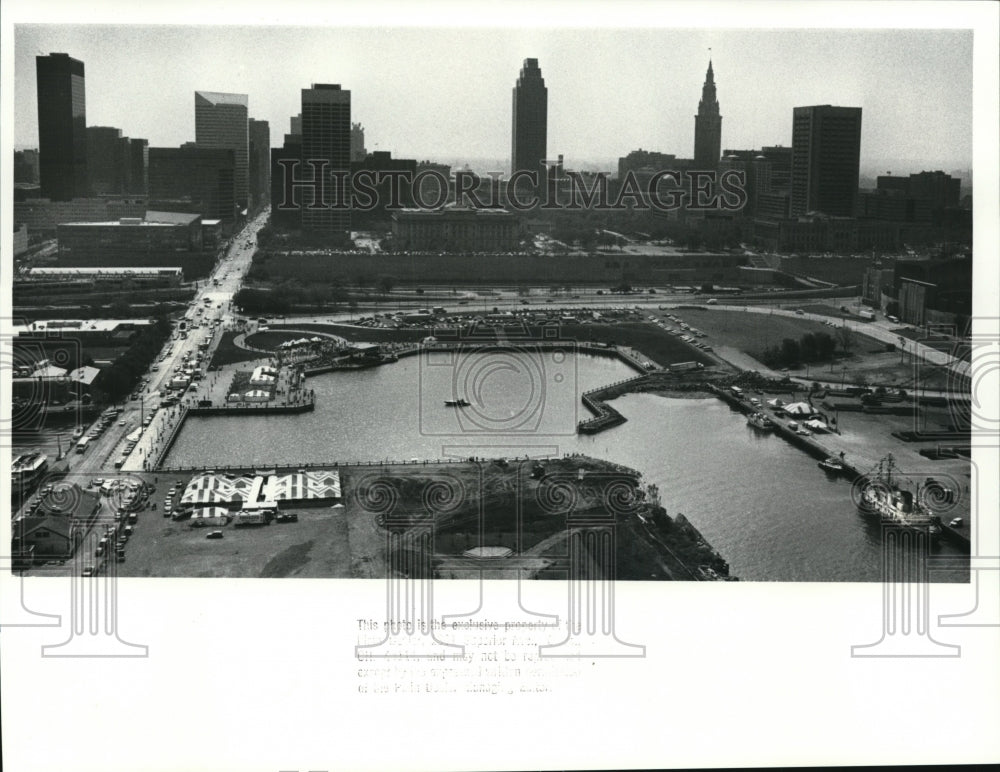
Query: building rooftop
x=221, y=98
x=76, y=325
x=101, y=271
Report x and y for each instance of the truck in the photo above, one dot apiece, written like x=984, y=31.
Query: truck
x=867, y=315
x=252, y=517
x=680, y=367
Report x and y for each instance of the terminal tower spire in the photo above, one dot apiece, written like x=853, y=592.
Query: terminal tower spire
x=708, y=125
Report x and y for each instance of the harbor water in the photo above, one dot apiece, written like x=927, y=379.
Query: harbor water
x=763, y=504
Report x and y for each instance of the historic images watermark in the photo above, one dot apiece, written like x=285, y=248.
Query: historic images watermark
x=462, y=363
x=311, y=184
x=917, y=509
x=39, y=364
x=75, y=531
x=557, y=526
x=910, y=509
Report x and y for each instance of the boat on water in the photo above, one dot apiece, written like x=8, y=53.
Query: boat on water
x=760, y=422
x=883, y=494
x=457, y=403
x=26, y=470
x=831, y=464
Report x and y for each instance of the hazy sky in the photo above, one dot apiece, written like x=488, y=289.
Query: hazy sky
x=446, y=93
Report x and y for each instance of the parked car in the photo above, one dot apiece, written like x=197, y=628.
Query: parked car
x=214, y=535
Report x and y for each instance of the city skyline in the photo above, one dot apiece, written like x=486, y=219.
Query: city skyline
x=889, y=74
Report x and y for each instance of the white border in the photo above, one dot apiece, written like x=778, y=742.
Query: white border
x=260, y=675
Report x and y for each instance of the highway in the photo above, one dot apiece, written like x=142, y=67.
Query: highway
x=210, y=304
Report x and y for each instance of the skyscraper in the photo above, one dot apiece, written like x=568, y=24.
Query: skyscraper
x=62, y=127
x=222, y=121
x=286, y=162
x=139, y=164
x=826, y=155
x=193, y=179
x=326, y=149
x=708, y=125
x=530, y=120
x=358, y=150
x=108, y=161
x=260, y=163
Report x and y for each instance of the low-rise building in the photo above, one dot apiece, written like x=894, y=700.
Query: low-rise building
x=452, y=229
x=20, y=239
x=155, y=232
x=104, y=277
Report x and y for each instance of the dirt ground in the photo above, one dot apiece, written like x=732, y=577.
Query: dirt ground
x=868, y=360
x=348, y=540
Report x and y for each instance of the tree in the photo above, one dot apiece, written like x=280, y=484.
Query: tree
x=386, y=283
x=119, y=309
x=807, y=346
x=790, y=351
x=825, y=346
x=845, y=339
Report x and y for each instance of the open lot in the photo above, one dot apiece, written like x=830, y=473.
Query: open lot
x=867, y=362
x=349, y=540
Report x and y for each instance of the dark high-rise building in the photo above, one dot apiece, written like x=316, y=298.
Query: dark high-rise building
x=530, y=120
x=26, y=166
x=222, y=121
x=138, y=166
x=108, y=161
x=708, y=125
x=326, y=151
x=62, y=127
x=358, y=150
x=286, y=162
x=382, y=161
x=193, y=179
x=826, y=156
x=780, y=159
x=260, y=163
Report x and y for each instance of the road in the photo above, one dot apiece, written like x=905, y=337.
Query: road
x=210, y=304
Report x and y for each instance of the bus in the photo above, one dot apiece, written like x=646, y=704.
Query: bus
x=83, y=444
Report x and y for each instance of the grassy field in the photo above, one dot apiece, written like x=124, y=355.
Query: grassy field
x=228, y=353
x=363, y=334
x=753, y=333
x=652, y=341
x=868, y=361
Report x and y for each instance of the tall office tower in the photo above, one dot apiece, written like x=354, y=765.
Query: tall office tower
x=222, y=121
x=530, y=120
x=780, y=159
x=326, y=149
x=708, y=125
x=108, y=161
x=286, y=162
x=260, y=163
x=358, y=150
x=826, y=155
x=193, y=179
x=138, y=167
x=62, y=127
